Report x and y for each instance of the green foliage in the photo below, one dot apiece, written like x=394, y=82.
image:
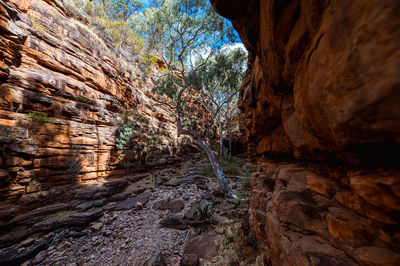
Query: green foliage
x=178, y=31
x=133, y=115
x=75, y=164
x=135, y=144
x=37, y=25
x=89, y=7
x=39, y=117
x=83, y=99
x=123, y=9
x=128, y=141
x=151, y=59
x=85, y=120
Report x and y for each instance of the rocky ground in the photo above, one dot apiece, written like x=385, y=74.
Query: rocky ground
x=175, y=216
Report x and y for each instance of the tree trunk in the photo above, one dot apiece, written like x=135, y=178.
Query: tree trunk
x=211, y=156
x=230, y=138
x=228, y=118
x=221, y=142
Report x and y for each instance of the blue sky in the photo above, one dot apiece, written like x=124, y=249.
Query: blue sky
x=238, y=42
x=146, y=3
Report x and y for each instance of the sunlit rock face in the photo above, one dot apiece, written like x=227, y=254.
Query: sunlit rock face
x=52, y=62
x=322, y=86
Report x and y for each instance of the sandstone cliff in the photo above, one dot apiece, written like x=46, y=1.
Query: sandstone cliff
x=63, y=88
x=322, y=86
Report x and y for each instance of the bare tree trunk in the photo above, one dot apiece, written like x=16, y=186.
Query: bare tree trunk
x=221, y=142
x=228, y=118
x=211, y=156
x=230, y=137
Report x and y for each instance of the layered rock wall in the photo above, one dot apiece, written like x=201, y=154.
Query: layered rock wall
x=322, y=87
x=63, y=90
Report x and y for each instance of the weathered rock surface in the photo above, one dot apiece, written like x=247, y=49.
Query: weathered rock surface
x=323, y=85
x=322, y=78
x=52, y=62
x=65, y=89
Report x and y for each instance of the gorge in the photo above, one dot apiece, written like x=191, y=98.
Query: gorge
x=319, y=115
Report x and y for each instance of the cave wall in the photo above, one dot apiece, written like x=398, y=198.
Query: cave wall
x=52, y=62
x=320, y=114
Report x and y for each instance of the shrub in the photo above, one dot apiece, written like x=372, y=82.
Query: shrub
x=137, y=144
x=83, y=99
x=37, y=25
x=39, y=117
x=133, y=115
x=151, y=60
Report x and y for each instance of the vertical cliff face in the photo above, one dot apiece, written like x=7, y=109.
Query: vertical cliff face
x=322, y=86
x=65, y=90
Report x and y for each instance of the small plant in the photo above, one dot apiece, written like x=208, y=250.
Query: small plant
x=75, y=164
x=37, y=25
x=83, y=99
x=128, y=144
x=134, y=116
x=89, y=7
x=137, y=144
x=150, y=60
x=39, y=117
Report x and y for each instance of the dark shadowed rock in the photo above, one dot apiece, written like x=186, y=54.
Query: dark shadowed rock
x=190, y=260
x=156, y=260
x=174, y=206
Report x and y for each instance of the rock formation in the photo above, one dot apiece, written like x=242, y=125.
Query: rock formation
x=65, y=92
x=322, y=86
x=62, y=88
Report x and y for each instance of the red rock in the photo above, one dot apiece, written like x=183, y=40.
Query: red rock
x=377, y=256
x=379, y=188
x=322, y=86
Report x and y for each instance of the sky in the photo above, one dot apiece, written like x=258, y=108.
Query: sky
x=147, y=3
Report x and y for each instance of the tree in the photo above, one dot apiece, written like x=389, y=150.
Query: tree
x=220, y=79
x=185, y=34
x=121, y=9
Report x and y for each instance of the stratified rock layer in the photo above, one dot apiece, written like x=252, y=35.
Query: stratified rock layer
x=62, y=89
x=322, y=85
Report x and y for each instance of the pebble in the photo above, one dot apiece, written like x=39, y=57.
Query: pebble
x=27, y=242
x=96, y=226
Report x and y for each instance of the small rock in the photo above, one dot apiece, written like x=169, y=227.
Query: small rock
x=190, y=260
x=27, y=242
x=156, y=260
x=139, y=206
x=66, y=244
x=96, y=226
x=39, y=257
x=219, y=230
x=229, y=233
x=174, y=206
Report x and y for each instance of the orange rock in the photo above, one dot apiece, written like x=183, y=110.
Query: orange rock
x=379, y=188
x=377, y=256
x=324, y=186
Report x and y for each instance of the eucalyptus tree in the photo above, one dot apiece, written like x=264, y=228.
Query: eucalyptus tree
x=185, y=34
x=220, y=79
x=121, y=9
